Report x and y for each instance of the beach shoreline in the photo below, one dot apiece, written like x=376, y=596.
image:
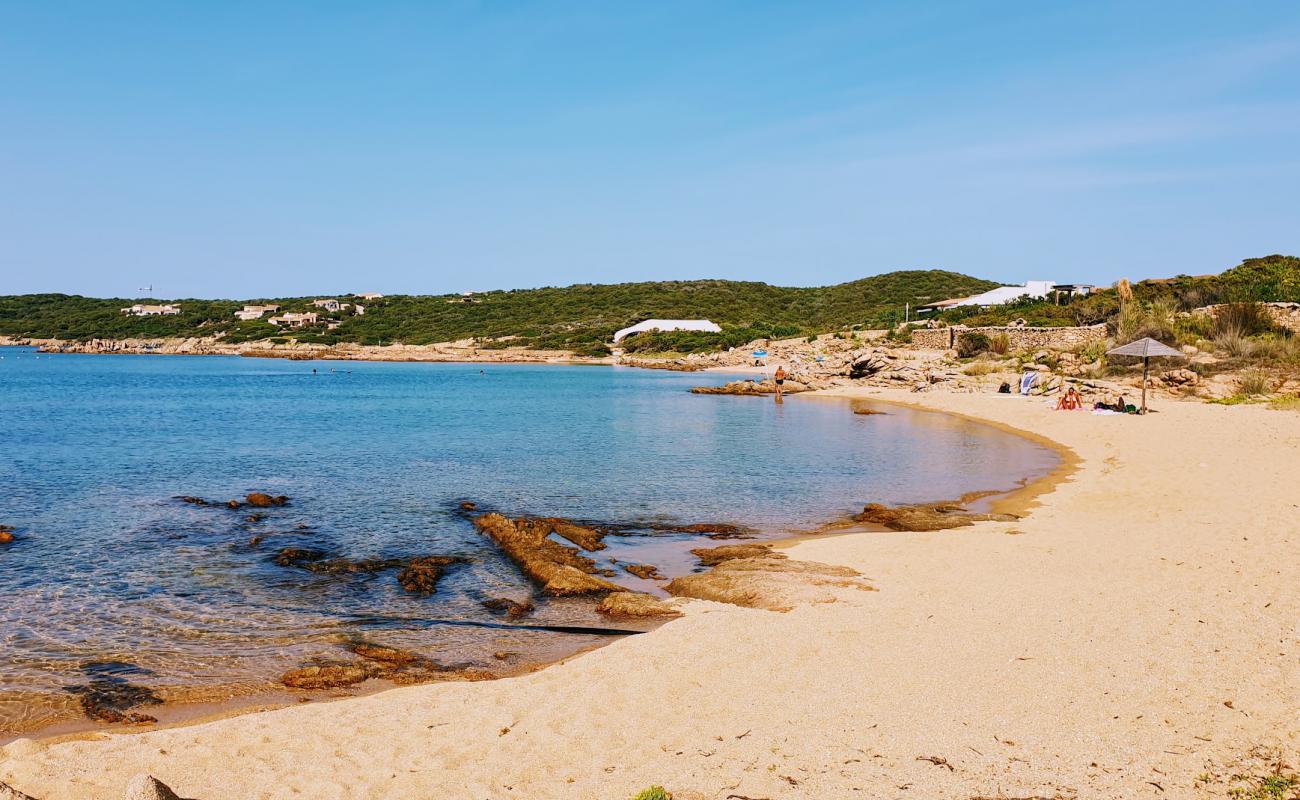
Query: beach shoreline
x=1106, y=684
x=206, y=703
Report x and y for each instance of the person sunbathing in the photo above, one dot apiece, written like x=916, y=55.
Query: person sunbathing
x=1070, y=401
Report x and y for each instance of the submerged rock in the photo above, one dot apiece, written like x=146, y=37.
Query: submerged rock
x=717, y=530
x=559, y=569
x=635, y=604
x=298, y=556
x=587, y=538
x=512, y=609
x=645, y=571
x=325, y=676
x=196, y=501
x=384, y=654
x=712, y=556
x=6, y=534
x=771, y=583
x=147, y=787
x=421, y=574
x=261, y=500
x=933, y=517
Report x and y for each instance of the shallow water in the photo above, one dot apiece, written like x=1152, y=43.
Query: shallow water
x=114, y=583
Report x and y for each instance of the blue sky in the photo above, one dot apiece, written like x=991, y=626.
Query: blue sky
x=253, y=149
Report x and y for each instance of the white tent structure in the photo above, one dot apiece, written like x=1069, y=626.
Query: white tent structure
x=668, y=325
x=995, y=297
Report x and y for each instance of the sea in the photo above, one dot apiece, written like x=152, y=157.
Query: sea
x=113, y=585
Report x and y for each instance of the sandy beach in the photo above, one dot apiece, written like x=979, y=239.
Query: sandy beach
x=1136, y=635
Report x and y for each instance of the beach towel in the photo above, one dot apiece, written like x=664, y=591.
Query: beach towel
x=1028, y=381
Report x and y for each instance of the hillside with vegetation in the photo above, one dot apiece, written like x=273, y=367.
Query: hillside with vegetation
x=582, y=318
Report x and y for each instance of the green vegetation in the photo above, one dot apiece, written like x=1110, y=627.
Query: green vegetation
x=653, y=793
x=972, y=344
x=583, y=317
x=1269, y=787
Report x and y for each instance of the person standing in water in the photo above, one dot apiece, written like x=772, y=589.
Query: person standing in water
x=779, y=377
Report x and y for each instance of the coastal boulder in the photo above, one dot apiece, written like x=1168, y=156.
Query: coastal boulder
x=147, y=787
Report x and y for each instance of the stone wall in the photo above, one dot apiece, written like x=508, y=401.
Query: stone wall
x=1025, y=338
x=1286, y=315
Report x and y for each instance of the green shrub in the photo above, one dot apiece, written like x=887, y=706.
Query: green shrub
x=1000, y=343
x=972, y=343
x=1243, y=319
x=653, y=793
x=1255, y=382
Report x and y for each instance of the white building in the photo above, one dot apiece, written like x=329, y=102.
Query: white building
x=255, y=312
x=295, y=320
x=370, y=296
x=994, y=297
x=668, y=325
x=138, y=310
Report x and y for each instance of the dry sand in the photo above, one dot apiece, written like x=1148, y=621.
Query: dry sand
x=1136, y=632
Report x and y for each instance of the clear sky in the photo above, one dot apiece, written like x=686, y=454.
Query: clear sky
x=242, y=149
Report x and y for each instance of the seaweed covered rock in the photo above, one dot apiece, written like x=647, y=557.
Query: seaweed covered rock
x=635, y=604
x=933, y=517
x=560, y=570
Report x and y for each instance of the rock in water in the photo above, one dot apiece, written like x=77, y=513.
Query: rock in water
x=513, y=609
x=559, y=569
x=147, y=787
x=635, y=604
x=6, y=534
x=326, y=676
x=260, y=500
x=8, y=792
x=645, y=571
x=712, y=556
x=420, y=575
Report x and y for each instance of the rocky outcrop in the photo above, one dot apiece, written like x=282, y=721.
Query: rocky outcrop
x=712, y=556
x=770, y=583
x=934, y=517
x=192, y=500
x=752, y=388
x=558, y=569
x=1180, y=377
x=147, y=787
x=392, y=656
x=587, y=538
x=635, y=604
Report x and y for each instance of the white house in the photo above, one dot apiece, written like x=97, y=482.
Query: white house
x=328, y=305
x=255, y=312
x=668, y=325
x=295, y=320
x=994, y=297
x=138, y=310
x=370, y=296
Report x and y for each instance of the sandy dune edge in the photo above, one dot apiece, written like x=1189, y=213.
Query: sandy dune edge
x=1090, y=655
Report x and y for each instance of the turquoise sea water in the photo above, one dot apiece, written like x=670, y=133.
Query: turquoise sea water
x=113, y=579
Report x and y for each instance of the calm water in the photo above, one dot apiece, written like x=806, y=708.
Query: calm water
x=112, y=577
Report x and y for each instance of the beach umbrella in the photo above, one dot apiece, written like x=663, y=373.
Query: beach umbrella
x=1145, y=348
